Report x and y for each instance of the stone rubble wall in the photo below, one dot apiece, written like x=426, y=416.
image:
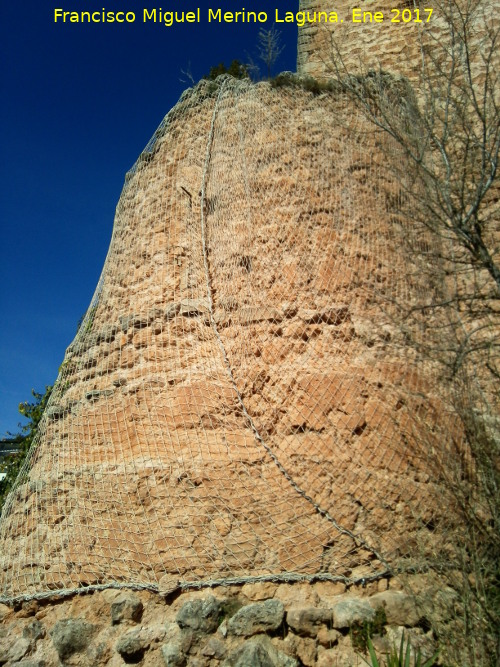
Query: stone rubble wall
x=257, y=625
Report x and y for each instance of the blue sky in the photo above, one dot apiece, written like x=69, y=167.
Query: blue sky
x=79, y=103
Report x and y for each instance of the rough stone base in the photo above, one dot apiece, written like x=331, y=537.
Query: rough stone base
x=263, y=625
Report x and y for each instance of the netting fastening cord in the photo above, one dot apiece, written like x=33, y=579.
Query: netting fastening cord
x=356, y=539
x=182, y=587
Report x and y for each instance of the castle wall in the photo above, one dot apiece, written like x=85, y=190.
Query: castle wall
x=394, y=47
x=238, y=401
x=399, y=42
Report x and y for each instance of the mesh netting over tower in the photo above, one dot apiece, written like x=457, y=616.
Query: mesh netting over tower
x=237, y=403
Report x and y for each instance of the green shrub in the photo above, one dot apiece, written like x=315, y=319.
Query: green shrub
x=401, y=658
x=11, y=465
x=236, y=69
x=307, y=83
x=361, y=632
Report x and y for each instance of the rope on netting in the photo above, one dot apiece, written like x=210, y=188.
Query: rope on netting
x=183, y=586
x=359, y=542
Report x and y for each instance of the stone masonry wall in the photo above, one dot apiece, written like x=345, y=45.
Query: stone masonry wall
x=257, y=625
x=239, y=402
x=397, y=44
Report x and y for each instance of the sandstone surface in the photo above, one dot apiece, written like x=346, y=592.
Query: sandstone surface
x=239, y=401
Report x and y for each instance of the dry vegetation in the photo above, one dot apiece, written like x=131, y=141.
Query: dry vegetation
x=444, y=131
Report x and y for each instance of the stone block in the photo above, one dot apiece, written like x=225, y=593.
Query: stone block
x=254, y=618
x=172, y=655
x=258, y=652
x=126, y=608
x=18, y=649
x=200, y=615
x=328, y=637
x=261, y=590
x=214, y=648
x=5, y=612
x=34, y=631
x=400, y=608
x=307, y=622
x=71, y=635
x=350, y=611
x=132, y=646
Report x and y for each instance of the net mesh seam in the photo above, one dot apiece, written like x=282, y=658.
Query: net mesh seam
x=357, y=540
